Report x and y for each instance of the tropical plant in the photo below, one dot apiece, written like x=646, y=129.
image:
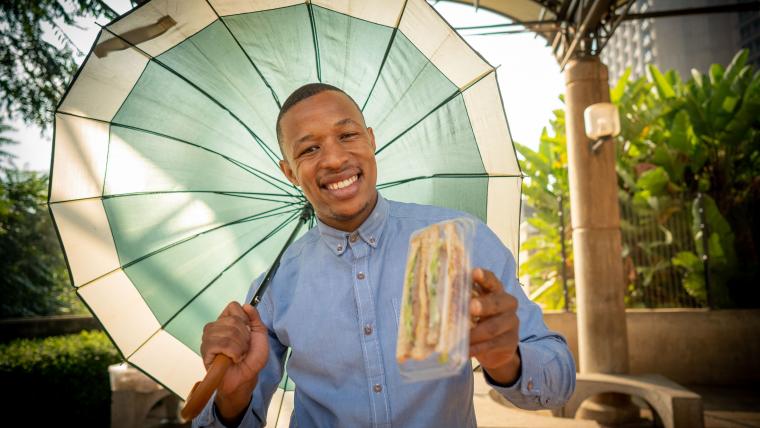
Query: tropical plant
x=692, y=150
x=546, y=184
x=689, y=181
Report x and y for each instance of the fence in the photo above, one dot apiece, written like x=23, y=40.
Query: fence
x=650, y=240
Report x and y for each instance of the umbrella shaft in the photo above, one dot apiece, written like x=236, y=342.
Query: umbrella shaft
x=306, y=214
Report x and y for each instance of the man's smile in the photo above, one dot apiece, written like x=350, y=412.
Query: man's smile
x=343, y=186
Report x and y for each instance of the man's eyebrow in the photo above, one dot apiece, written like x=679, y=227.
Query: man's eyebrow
x=345, y=121
x=304, y=138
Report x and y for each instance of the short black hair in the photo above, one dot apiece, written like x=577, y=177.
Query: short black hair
x=300, y=94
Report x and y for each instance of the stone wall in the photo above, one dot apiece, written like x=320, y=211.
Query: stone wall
x=689, y=346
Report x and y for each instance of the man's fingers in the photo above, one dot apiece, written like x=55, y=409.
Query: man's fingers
x=234, y=309
x=230, y=345
x=492, y=304
x=487, y=280
x=492, y=327
x=252, y=314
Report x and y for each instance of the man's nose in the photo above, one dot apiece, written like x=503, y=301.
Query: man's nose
x=334, y=155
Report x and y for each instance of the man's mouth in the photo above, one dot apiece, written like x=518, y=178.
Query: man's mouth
x=342, y=184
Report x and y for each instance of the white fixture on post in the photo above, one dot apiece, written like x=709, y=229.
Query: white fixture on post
x=602, y=123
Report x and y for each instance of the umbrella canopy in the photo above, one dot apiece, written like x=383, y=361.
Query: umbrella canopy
x=165, y=187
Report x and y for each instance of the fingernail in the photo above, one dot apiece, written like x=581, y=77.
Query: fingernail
x=475, y=307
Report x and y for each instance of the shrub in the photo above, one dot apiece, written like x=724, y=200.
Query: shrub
x=58, y=380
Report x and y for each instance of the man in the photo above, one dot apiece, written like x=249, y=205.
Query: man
x=336, y=296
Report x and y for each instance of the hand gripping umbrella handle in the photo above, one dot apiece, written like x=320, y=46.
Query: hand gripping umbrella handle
x=202, y=391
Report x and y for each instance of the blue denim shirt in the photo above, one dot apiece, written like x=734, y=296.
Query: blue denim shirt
x=335, y=301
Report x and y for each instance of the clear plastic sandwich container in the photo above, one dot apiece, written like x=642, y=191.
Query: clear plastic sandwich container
x=434, y=325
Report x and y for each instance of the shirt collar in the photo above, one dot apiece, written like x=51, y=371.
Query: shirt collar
x=369, y=231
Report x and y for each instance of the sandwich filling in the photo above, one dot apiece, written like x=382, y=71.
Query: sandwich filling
x=433, y=284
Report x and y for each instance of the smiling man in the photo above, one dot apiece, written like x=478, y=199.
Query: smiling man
x=335, y=301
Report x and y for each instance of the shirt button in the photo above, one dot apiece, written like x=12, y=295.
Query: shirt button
x=360, y=275
x=371, y=239
x=367, y=330
x=530, y=384
x=377, y=387
x=340, y=248
x=353, y=237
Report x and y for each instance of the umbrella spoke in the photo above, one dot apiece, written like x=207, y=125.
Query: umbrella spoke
x=247, y=195
x=251, y=170
x=283, y=210
x=274, y=95
x=269, y=152
x=385, y=56
x=294, y=216
x=457, y=176
x=443, y=103
x=267, y=178
x=314, y=40
x=268, y=197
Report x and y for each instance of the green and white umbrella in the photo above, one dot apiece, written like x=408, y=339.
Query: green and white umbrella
x=165, y=188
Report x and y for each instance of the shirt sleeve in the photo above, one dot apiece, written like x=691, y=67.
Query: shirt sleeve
x=269, y=378
x=547, y=376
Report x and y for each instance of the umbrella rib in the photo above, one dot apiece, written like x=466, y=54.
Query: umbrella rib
x=250, y=60
x=314, y=39
x=272, y=156
x=453, y=175
x=179, y=311
x=436, y=108
x=259, y=216
x=385, y=56
x=246, y=195
x=247, y=168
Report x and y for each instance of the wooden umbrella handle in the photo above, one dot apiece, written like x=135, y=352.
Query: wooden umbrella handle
x=203, y=390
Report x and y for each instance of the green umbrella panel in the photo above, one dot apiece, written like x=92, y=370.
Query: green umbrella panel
x=166, y=191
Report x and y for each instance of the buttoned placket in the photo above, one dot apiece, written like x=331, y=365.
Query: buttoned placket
x=361, y=252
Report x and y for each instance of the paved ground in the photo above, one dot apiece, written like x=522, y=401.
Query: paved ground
x=725, y=407
x=491, y=414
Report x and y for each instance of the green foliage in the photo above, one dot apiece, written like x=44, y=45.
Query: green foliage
x=33, y=71
x=679, y=140
x=61, y=378
x=547, y=182
x=34, y=278
x=5, y=156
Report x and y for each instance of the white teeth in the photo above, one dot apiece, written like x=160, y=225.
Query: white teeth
x=342, y=184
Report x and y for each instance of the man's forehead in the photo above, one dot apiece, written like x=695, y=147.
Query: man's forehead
x=328, y=108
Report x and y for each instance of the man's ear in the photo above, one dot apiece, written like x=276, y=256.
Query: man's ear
x=372, y=138
x=285, y=168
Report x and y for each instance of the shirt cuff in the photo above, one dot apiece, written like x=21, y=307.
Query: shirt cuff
x=526, y=390
x=208, y=417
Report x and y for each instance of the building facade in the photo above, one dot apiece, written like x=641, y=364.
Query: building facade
x=680, y=43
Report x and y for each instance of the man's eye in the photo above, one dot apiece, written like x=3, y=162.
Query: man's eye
x=308, y=150
x=348, y=135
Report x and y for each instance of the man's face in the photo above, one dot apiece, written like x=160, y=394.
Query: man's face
x=330, y=154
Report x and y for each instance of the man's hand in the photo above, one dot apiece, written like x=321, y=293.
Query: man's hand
x=239, y=334
x=494, y=338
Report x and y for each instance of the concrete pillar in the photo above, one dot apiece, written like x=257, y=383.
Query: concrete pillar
x=595, y=214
